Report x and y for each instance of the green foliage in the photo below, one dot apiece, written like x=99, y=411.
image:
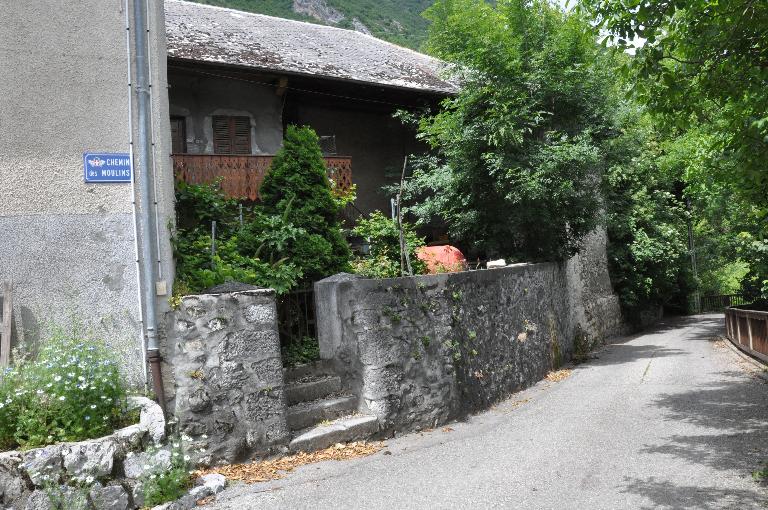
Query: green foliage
x=397, y=21
x=701, y=71
x=383, y=237
x=646, y=218
x=163, y=485
x=252, y=253
x=516, y=154
x=293, y=236
x=305, y=351
x=70, y=392
x=297, y=189
x=701, y=57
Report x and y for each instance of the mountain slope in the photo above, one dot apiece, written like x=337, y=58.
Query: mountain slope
x=397, y=21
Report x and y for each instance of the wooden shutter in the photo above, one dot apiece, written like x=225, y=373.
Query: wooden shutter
x=178, y=135
x=231, y=135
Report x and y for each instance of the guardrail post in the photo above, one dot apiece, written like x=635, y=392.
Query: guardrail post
x=749, y=330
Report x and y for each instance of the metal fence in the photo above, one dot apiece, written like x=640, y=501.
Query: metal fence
x=749, y=330
x=296, y=316
x=715, y=303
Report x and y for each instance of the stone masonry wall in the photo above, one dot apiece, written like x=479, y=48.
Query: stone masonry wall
x=228, y=374
x=426, y=349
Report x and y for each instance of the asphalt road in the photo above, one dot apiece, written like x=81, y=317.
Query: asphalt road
x=668, y=419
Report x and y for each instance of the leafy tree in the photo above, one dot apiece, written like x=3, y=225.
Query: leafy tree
x=697, y=54
x=646, y=217
x=516, y=154
x=297, y=188
x=383, y=236
x=701, y=68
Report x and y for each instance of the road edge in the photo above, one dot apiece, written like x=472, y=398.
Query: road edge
x=758, y=364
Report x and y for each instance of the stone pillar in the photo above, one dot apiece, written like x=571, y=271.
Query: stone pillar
x=229, y=374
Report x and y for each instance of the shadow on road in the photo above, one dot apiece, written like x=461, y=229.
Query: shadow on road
x=626, y=349
x=666, y=495
x=731, y=419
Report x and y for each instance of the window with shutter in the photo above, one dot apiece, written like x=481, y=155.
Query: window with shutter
x=231, y=134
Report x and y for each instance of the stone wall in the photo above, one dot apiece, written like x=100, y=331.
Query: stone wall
x=111, y=466
x=423, y=350
x=228, y=375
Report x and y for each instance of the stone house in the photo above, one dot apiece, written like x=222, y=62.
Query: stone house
x=237, y=79
x=223, y=85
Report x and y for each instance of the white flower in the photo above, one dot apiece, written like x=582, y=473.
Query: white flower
x=204, y=436
x=62, y=398
x=146, y=466
x=93, y=406
x=129, y=455
x=186, y=458
x=88, y=479
x=57, y=378
x=87, y=418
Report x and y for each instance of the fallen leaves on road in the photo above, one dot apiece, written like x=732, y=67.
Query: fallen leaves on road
x=558, y=375
x=518, y=403
x=277, y=468
x=718, y=343
x=447, y=429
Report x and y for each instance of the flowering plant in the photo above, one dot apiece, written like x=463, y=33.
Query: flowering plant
x=72, y=391
x=168, y=483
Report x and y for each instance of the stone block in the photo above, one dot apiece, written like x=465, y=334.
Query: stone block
x=267, y=372
x=113, y=497
x=12, y=485
x=260, y=313
x=135, y=465
x=130, y=438
x=381, y=382
x=213, y=482
x=151, y=417
x=39, y=500
x=43, y=464
x=90, y=458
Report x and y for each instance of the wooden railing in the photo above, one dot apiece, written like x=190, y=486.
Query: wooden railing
x=748, y=329
x=242, y=176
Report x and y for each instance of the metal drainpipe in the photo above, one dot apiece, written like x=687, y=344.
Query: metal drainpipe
x=145, y=199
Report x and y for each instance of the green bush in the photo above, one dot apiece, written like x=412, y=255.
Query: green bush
x=294, y=235
x=70, y=392
x=298, y=189
x=383, y=237
x=305, y=351
x=250, y=253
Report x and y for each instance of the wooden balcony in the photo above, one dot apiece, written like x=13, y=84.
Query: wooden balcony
x=242, y=175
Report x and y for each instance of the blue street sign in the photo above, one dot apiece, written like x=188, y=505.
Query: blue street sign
x=100, y=167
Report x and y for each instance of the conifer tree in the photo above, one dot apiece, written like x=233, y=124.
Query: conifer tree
x=297, y=187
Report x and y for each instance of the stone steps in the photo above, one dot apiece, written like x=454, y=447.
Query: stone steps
x=306, y=414
x=348, y=428
x=307, y=390
x=314, y=370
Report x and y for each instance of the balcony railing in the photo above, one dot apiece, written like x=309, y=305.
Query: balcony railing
x=242, y=176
